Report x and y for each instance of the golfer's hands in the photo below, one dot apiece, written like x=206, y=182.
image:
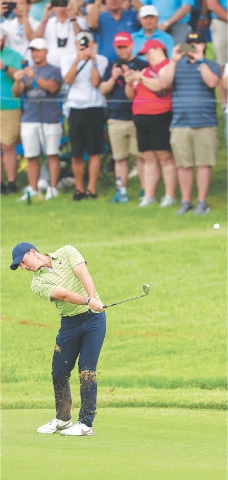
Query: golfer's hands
x=96, y=305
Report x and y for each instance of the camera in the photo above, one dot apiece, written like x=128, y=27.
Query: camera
x=187, y=47
x=10, y=8
x=84, y=42
x=59, y=3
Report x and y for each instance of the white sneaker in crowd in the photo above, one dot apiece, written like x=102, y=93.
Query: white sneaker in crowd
x=78, y=429
x=42, y=184
x=146, y=201
x=133, y=172
x=29, y=190
x=51, y=192
x=54, y=425
x=168, y=201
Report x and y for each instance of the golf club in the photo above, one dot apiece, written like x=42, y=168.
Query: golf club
x=146, y=289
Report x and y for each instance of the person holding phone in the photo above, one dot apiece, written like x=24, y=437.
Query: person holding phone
x=194, y=133
x=152, y=113
x=20, y=30
x=121, y=128
x=59, y=26
x=83, y=72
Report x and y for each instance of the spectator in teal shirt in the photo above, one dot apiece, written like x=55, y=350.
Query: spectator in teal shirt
x=148, y=17
x=10, y=61
x=174, y=17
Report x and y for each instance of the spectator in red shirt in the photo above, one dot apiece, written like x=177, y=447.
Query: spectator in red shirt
x=152, y=113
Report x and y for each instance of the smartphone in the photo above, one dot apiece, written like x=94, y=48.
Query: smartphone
x=24, y=63
x=10, y=8
x=187, y=47
x=59, y=3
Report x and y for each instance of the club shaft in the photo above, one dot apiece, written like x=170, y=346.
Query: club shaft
x=123, y=301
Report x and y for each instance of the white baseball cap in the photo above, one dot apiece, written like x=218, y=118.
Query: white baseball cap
x=147, y=10
x=2, y=32
x=39, y=44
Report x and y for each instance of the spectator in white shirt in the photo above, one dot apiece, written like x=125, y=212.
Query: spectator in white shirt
x=20, y=30
x=83, y=72
x=59, y=30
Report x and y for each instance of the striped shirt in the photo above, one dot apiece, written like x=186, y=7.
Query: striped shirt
x=62, y=274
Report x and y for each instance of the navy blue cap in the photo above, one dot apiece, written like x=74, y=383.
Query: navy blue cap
x=18, y=253
x=195, y=37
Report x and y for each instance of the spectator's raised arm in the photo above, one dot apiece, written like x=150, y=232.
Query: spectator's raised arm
x=178, y=15
x=215, y=7
x=167, y=76
x=39, y=32
x=93, y=15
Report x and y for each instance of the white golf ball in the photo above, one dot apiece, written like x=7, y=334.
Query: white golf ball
x=216, y=226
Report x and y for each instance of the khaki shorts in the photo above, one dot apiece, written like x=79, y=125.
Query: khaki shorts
x=194, y=146
x=10, y=126
x=123, y=139
x=219, y=35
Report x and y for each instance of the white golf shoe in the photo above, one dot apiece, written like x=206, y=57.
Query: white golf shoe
x=51, y=192
x=168, y=201
x=78, y=429
x=29, y=192
x=145, y=201
x=54, y=426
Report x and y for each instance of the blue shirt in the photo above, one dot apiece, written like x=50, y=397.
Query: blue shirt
x=222, y=3
x=139, y=38
x=119, y=106
x=194, y=103
x=13, y=59
x=40, y=105
x=108, y=27
x=167, y=8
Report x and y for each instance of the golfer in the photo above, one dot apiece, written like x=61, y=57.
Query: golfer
x=63, y=278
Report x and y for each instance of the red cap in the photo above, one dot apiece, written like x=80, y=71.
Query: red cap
x=122, y=39
x=151, y=44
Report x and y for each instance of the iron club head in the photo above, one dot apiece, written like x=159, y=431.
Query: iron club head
x=146, y=288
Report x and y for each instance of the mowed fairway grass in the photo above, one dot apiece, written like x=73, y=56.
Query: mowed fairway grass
x=162, y=370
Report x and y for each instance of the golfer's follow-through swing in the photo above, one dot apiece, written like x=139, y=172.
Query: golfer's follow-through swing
x=63, y=278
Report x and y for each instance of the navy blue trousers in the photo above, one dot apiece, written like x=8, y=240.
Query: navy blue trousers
x=80, y=337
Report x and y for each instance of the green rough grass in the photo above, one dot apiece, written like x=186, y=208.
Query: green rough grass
x=129, y=444
x=168, y=349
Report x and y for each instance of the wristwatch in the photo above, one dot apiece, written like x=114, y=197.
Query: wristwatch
x=87, y=300
x=5, y=68
x=201, y=61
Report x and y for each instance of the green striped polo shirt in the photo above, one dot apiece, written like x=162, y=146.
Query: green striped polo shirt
x=64, y=260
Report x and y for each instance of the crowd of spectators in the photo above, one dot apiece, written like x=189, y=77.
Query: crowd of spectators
x=137, y=67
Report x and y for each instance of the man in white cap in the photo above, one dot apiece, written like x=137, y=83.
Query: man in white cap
x=9, y=113
x=174, y=17
x=40, y=123
x=148, y=17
